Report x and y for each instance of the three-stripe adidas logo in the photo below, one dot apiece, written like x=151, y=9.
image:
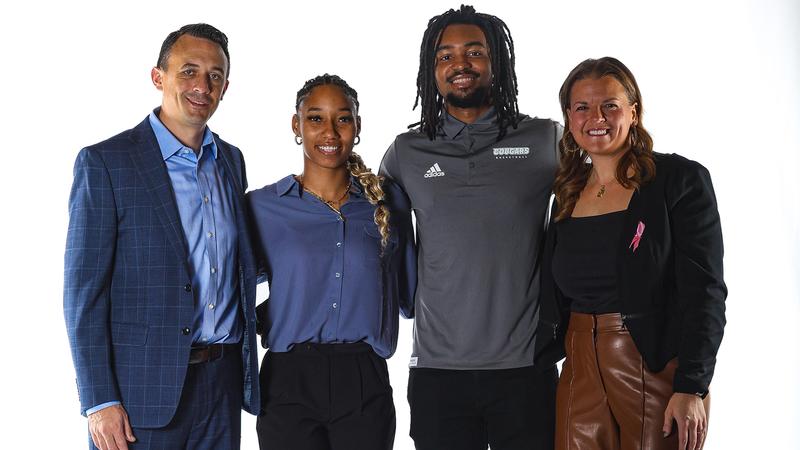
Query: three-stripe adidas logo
x=434, y=171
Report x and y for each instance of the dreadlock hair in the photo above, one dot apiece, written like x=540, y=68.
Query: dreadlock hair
x=198, y=30
x=371, y=183
x=574, y=171
x=501, y=53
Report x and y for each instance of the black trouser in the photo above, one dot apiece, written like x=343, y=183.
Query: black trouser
x=509, y=409
x=326, y=397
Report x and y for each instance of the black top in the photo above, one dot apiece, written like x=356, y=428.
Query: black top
x=585, y=262
x=669, y=278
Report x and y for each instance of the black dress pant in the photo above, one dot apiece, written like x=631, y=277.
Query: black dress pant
x=509, y=409
x=325, y=397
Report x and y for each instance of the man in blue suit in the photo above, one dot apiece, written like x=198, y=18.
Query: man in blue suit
x=159, y=283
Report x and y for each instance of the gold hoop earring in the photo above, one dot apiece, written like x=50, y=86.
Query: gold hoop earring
x=568, y=141
x=298, y=140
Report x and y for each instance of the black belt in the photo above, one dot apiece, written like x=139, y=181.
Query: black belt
x=350, y=347
x=211, y=352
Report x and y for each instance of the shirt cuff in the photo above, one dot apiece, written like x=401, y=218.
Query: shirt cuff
x=101, y=406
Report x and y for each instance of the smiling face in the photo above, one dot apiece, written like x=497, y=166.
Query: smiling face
x=193, y=82
x=463, y=68
x=600, y=115
x=327, y=121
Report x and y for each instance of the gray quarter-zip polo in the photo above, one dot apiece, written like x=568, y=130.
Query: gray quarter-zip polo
x=480, y=210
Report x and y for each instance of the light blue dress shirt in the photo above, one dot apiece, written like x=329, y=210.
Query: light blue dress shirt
x=205, y=205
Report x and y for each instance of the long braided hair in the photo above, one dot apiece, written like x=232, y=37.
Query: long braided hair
x=371, y=183
x=501, y=53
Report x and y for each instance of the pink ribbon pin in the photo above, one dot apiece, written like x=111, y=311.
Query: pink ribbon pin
x=638, y=236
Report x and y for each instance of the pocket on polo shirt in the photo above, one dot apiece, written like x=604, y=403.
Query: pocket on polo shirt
x=125, y=333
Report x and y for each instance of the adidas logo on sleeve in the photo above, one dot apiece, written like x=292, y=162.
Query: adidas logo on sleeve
x=434, y=171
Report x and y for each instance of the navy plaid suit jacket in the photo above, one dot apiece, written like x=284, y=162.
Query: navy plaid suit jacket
x=128, y=297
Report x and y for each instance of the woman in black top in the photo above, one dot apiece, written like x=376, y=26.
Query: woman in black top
x=632, y=276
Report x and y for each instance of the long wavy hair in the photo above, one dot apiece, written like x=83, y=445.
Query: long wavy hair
x=575, y=167
x=371, y=183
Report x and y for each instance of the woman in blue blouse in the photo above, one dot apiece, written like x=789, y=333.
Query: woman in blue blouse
x=337, y=247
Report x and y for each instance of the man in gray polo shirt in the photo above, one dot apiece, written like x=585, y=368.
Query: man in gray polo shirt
x=479, y=177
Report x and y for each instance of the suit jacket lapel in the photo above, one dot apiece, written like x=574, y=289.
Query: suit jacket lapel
x=234, y=181
x=149, y=163
x=231, y=175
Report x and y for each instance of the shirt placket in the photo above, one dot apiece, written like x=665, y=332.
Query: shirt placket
x=335, y=303
x=209, y=304
x=469, y=144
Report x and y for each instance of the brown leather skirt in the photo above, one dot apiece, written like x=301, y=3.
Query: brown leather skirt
x=606, y=397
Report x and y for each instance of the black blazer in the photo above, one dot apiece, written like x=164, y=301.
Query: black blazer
x=670, y=287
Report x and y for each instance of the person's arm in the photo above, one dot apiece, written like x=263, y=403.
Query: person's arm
x=407, y=257
x=559, y=133
x=699, y=286
x=700, y=292
x=263, y=273
x=88, y=267
x=390, y=166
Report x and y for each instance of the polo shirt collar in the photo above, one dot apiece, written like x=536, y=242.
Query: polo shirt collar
x=452, y=127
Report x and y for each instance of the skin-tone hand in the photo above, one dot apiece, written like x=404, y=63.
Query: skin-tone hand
x=689, y=413
x=110, y=428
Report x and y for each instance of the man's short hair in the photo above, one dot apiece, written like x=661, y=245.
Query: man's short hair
x=199, y=30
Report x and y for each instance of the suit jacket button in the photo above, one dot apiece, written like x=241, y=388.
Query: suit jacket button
x=188, y=287
x=186, y=331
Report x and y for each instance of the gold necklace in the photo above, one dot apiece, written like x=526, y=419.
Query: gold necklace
x=602, y=191
x=329, y=203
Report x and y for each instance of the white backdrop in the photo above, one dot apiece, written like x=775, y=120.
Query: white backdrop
x=720, y=85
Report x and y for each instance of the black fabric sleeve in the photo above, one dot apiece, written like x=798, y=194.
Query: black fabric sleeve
x=699, y=287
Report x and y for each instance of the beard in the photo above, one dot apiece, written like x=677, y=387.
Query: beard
x=477, y=98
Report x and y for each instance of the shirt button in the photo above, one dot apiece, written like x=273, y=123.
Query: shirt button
x=205, y=199
x=335, y=305
x=213, y=270
x=188, y=287
x=211, y=306
x=338, y=244
x=338, y=275
x=210, y=234
x=186, y=331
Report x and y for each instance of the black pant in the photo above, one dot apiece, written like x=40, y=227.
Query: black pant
x=326, y=397
x=510, y=409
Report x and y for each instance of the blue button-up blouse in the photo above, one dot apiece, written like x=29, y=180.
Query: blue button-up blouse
x=328, y=281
